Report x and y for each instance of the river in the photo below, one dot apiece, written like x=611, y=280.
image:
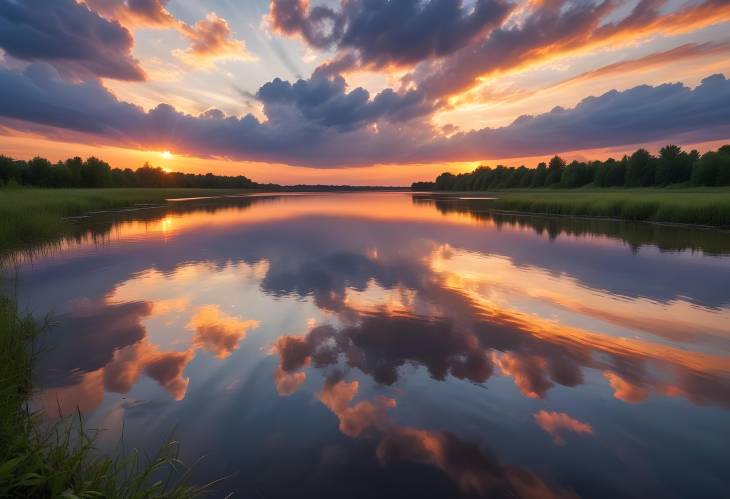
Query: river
x=386, y=345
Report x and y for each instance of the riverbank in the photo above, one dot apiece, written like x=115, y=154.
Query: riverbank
x=32, y=216
x=697, y=206
x=46, y=461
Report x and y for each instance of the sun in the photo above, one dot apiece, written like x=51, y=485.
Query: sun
x=166, y=154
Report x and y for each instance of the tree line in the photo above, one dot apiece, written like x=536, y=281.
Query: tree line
x=672, y=166
x=94, y=173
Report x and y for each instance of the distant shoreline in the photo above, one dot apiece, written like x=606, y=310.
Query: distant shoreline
x=699, y=206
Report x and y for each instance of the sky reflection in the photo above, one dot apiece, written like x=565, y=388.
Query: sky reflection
x=367, y=342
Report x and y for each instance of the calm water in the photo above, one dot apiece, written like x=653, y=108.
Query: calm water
x=380, y=345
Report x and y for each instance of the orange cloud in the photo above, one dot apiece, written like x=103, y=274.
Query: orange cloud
x=85, y=396
x=167, y=369
x=164, y=307
x=556, y=422
x=559, y=36
x=218, y=332
x=625, y=390
x=473, y=471
x=288, y=383
x=686, y=51
x=357, y=419
x=149, y=14
x=529, y=373
x=211, y=39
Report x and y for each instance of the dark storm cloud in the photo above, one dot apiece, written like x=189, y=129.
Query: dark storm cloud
x=384, y=32
x=452, y=45
x=552, y=26
x=639, y=114
x=317, y=122
x=465, y=340
x=558, y=27
x=379, y=345
x=68, y=35
x=324, y=101
x=86, y=339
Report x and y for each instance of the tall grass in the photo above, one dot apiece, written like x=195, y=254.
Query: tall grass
x=31, y=216
x=48, y=461
x=690, y=206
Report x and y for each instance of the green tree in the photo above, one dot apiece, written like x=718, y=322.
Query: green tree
x=10, y=171
x=95, y=173
x=74, y=166
x=640, y=169
x=445, y=181
x=674, y=166
x=555, y=171
x=38, y=172
x=540, y=175
x=61, y=176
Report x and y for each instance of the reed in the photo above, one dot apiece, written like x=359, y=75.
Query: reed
x=40, y=460
x=30, y=216
x=702, y=206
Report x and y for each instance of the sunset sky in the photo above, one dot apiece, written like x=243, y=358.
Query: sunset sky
x=359, y=91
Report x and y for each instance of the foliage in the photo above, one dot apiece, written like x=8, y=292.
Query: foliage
x=707, y=206
x=672, y=167
x=95, y=173
x=39, y=461
x=30, y=216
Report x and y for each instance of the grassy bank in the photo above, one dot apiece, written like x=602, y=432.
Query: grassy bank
x=31, y=216
x=41, y=461
x=701, y=206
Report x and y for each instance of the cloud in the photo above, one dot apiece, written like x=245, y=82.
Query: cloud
x=555, y=423
x=461, y=336
x=167, y=369
x=77, y=346
x=324, y=101
x=626, y=390
x=379, y=345
x=674, y=55
x=529, y=372
x=76, y=41
x=211, y=39
x=359, y=418
x=288, y=383
x=318, y=123
x=556, y=28
x=637, y=115
x=151, y=13
x=454, y=45
x=473, y=470
x=218, y=332
x=384, y=33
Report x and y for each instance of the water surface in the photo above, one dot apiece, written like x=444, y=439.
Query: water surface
x=384, y=345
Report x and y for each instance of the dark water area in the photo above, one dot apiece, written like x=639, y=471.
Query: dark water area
x=386, y=345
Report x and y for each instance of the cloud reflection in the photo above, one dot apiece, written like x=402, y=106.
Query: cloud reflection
x=217, y=332
x=556, y=423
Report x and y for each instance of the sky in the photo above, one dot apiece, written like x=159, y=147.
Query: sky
x=359, y=91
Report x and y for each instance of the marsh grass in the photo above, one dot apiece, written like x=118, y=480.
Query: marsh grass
x=30, y=216
x=50, y=460
x=700, y=206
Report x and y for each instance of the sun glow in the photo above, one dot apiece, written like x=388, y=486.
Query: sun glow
x=166, y=155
